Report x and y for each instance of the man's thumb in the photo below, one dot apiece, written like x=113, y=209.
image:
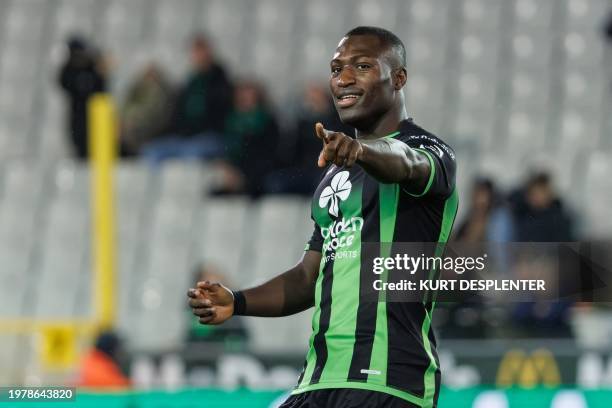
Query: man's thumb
x=321, y=162
x=208, y=286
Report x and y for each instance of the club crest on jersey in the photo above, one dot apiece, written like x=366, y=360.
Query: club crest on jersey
x=338, y=190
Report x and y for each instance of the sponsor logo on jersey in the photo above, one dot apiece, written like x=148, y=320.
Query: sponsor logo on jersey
x=341, y=233
x=434, y=148
x=338, y=190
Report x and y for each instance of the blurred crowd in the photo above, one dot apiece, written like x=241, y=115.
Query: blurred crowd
x=531, y=213
x=209, y=116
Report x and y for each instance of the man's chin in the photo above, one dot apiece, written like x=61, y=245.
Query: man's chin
x=350, y=117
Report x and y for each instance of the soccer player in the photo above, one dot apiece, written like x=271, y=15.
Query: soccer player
x=392, y=182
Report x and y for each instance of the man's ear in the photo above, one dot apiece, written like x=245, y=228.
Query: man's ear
x=400, y=76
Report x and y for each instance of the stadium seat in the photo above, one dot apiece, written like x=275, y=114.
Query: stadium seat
x=283, y=227
x=583, y=48
x=428, y=16
x=482, y=15
x=222, y=234
x=276, y=244
x=24, y=22
x=65, y=240
x=597, y=192
x=527, y=131
x=8, y=361
x=75, y=16
x=583, y=13
x=377, y=13
x=535, y=14
x=183, y=180
x=226, y=22
x=133, y=204
x=290, y=334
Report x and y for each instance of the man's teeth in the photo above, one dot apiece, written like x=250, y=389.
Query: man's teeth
x=349, y=97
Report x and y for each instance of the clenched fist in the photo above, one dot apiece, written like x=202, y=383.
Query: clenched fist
x=338, y=148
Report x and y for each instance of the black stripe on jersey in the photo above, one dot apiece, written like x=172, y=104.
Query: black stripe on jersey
x=406, y=356
x=299, y=381
x=366, y=312
x=319, y=342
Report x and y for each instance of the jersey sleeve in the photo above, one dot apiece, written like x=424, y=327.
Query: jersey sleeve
x=441, y=181
x=316, y=241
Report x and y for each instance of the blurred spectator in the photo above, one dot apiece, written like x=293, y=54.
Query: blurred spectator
x=201, y=109
x=146, y=110
x=232, y=335
x=297, y=171
x=251, y=140
x=608, y=27
x=539, y=215
x=100, y=366
x=82, y=74
x=487, y=220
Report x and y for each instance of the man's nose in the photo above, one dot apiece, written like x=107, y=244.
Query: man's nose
x=346, y=77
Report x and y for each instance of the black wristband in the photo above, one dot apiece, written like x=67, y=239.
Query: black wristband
x=239, y=303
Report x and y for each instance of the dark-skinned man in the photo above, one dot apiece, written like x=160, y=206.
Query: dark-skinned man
x=394, y=182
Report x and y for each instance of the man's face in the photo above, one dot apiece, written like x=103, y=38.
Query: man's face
x=201, y=55
x=361, y=81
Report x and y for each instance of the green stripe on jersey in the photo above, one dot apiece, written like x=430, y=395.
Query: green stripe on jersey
x=340, y=336
x=388, y=201
x=432, y=173
x=391, y=135
x=448, y=218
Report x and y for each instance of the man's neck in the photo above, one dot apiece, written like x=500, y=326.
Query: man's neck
x=385, y=125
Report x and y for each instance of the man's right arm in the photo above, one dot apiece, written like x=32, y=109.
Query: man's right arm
x=288, y=293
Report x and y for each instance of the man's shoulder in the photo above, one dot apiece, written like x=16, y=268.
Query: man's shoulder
x=417, y=137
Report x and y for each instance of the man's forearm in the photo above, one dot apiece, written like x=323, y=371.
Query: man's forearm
x=391, y=161
x=286, y=294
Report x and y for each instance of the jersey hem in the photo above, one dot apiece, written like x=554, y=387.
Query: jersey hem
x=406, y=396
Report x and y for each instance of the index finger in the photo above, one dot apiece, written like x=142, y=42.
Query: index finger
x=321, y=132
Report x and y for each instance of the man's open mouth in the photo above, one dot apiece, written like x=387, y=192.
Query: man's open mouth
x=347, y=99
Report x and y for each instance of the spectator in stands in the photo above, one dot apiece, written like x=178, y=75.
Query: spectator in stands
x=233, y=336
x=296, y=173
x=200, y=112
x=539, y=215
x=488, y=220
x=251, y=138
x=100, y=367
x=146, y=110
x=608, y=28
x=82, y=74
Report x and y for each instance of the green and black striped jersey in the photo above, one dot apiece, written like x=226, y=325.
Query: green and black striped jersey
x=357, y=341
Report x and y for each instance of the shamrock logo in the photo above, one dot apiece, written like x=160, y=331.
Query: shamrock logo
x=339, y=189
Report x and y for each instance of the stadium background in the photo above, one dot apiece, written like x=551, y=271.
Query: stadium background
x=511, y=84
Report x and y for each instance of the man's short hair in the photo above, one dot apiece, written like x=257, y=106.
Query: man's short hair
x=386, y=37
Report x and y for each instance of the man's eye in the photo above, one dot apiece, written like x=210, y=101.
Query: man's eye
x=335, y=70
x=363, y=66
